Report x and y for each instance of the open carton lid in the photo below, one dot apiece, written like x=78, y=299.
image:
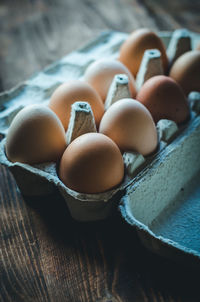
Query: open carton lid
x=163, y=203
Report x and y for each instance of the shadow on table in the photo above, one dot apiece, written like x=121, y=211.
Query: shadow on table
x=120, y=245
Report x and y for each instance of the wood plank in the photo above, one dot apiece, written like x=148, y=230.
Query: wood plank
x=174, y=14
x=36, y=33
x=44, y=31
x=21, y=275
x=47, y=256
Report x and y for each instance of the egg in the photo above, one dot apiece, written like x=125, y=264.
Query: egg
x=165, y=99
x=100, y=74
x=36, y=135
x=130, y=125
x=132, y=50
x=72, y=91
x=92, y=163
x=186, y=71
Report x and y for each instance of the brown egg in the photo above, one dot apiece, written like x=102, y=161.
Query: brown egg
x=133, y=48
x=35, y=135
x=73, y=91
x=92, y=163
x=186, y=71
x=164, y=98
x=101, y=73
x=130, y=125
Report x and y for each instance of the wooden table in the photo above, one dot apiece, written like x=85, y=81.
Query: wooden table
x=45, y=255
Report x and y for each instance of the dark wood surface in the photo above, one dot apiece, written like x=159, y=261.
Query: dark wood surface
x=45, y=255
x=34, y=33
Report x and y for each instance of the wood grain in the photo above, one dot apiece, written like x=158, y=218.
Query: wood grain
x=20, y=269
x=45, y=254
x=38, y=32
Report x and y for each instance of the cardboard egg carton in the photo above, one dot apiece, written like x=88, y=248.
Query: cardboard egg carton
x=37, y=180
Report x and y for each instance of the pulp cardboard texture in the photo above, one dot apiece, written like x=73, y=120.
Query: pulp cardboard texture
x=119, y=89
x=163, y=202
x=81, y=121
x=150, y=66
x=179, y=44
x=160, y=193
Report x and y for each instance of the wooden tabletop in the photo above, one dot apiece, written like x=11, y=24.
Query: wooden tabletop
x=45, y=254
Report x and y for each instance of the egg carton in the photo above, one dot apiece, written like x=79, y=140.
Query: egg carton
x=38, y=180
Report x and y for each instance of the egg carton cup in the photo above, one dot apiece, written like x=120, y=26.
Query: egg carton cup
x=42, y=179
x=37, y=180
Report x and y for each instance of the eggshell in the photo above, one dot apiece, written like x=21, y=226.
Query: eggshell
x=35, y=135
x=130, y=125
x=132, y=50
x=186, y=71
x=68, y=93
x=165, y=99
x=100, y=74
x=92, y=163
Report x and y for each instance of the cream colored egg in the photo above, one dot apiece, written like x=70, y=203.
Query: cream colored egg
x=36, y=135
x=101, y=73
x=130, y=125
